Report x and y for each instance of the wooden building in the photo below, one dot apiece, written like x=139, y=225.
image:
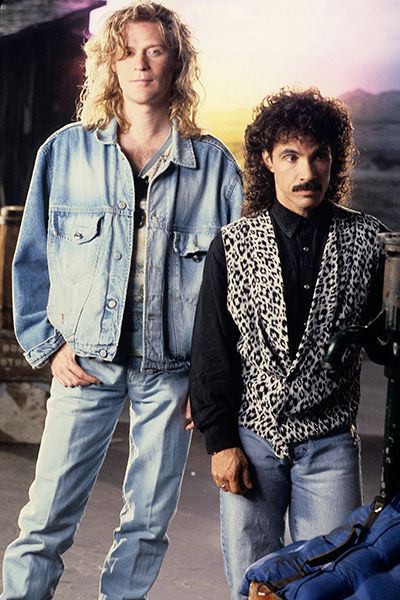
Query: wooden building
x=41, y=62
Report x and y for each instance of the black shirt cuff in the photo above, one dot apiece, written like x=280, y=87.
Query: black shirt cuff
x=222, y=436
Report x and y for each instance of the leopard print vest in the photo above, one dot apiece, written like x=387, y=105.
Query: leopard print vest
x=289, y=400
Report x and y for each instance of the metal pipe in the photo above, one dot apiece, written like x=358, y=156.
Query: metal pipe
x=390, y=475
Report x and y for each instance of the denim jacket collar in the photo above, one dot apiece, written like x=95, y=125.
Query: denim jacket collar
x=182, y=152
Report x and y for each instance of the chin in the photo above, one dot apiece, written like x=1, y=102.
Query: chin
x=312, y=201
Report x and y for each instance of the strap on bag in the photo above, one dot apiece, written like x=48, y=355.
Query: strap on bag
x=357, y=533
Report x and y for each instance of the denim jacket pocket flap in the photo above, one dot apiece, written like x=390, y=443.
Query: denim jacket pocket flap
x=76, y=228
x=190, y=245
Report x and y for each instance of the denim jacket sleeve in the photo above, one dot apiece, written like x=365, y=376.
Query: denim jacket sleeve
x=235, y=197
x=37, y=337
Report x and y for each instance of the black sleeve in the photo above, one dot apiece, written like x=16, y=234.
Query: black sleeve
x=215, y=374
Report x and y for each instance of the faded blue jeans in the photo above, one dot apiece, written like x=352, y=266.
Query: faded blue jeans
x=79, y=426
x=319, y=485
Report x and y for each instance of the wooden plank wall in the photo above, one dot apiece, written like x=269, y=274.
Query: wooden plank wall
x=40, y=76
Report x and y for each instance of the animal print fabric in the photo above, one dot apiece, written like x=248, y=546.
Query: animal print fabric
x=286, y=400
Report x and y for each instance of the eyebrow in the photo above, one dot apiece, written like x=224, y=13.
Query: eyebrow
x=289, y=150
x=155, y=45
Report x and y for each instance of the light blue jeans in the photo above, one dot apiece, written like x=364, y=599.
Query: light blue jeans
x=319, y=485
x=79, y=426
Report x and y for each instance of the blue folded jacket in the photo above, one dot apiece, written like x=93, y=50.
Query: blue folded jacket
x=357, y=561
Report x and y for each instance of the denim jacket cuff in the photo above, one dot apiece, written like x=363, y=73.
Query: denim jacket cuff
x=38, y=356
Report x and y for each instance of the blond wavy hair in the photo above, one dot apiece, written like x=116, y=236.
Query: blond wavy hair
x=101, y=96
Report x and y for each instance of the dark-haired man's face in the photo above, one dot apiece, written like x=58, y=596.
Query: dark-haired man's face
x=302, y=170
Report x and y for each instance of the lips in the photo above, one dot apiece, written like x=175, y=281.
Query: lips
x=305, y=192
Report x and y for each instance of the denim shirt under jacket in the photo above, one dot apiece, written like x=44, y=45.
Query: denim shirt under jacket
x=72, y=263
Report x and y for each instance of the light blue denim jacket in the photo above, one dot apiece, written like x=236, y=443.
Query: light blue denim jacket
x=72, y=262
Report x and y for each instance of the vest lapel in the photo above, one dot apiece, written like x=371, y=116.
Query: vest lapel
x=268, y=292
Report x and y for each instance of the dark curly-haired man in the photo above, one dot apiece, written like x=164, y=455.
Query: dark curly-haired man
x=277, y=283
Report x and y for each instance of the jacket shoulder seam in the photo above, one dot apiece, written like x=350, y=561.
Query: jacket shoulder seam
x=59, y=133
x=217, y=143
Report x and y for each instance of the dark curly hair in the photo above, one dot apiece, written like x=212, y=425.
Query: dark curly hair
x=293, y=113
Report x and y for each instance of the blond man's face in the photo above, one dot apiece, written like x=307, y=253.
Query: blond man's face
x=145, y=73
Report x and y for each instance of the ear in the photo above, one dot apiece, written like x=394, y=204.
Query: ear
x=267, y=160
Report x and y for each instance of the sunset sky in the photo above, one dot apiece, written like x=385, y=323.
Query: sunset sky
x=249, y=48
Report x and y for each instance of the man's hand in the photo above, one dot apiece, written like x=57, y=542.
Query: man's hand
x=188, y=417
x=230, y=471
x=66, y=370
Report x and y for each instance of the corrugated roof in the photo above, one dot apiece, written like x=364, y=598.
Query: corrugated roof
x=17, y=15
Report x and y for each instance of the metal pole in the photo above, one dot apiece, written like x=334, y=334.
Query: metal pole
x=390, y=475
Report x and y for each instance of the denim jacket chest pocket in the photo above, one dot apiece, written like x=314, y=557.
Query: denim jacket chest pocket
x=189, y=250
x=74, y=245
x=76, y=228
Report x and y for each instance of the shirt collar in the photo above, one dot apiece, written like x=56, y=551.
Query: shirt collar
x=108, y=134
x=182, y=152
x=289, y=222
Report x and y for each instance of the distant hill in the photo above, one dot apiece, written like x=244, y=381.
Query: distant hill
x=364, y=108
x=377, y=128
x=373, y=108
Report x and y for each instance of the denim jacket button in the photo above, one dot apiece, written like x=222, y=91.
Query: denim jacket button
x=78, y=236
x=197, y=258
x=103, y=353
x=112, y=303
x=122, y=204
x=117, y=255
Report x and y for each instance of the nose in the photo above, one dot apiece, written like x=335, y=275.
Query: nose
x=307, y=171
x=140, y=61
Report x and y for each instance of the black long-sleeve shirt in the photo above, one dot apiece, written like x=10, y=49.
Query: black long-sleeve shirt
x=300, y=244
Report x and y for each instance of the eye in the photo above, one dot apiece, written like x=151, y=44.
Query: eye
x=322, y=156
x=154, y=52
x=290, y=158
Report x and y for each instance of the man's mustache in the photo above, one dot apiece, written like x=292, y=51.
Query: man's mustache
x=307, y=186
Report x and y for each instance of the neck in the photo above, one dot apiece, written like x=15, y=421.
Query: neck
x=148, y=130
x=147, y=123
